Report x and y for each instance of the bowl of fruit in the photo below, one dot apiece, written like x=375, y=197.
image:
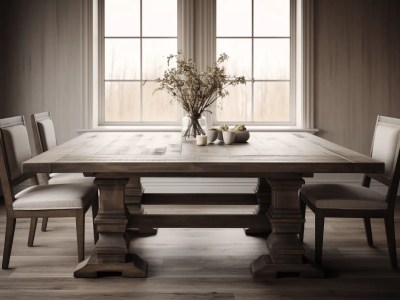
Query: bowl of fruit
x=241, y=133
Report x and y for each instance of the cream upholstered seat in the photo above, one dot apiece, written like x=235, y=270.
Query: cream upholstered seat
x=347, y=201
x=55, y=196
x=37, y=201
x=45, y=139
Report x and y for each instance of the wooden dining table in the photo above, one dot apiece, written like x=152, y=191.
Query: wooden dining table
x=280, y=161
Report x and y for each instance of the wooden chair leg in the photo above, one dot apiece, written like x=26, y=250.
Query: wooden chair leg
x=95, y=209
x=303, y=213
x=8, y=241
x=391, y=240
x=44, y=224
x=368, y=231
x=80, y=234
x=32, y=231
x=319, y=237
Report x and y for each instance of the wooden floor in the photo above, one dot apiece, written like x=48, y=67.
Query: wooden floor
x=200, y=264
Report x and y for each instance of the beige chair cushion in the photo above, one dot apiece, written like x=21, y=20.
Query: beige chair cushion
x=17, y=148
x=55, y=196
x=341, y=196
x=47, y=134
x=385, y=144
x=69, y=178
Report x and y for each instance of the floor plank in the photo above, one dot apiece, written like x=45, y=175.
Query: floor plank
x=200, y=263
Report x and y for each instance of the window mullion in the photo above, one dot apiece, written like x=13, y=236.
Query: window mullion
x=141, y=60
x=252, y=63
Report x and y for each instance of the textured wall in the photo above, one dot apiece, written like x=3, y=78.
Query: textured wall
x=43, y=61
x=3, y=11
x=357, y=68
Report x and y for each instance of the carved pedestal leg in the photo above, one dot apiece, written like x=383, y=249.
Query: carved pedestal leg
x=286, y=251
x=111, y=250
x=133, y=201
x=263, y=194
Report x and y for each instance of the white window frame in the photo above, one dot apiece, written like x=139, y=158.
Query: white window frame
x=293, y=66
x=302, y=57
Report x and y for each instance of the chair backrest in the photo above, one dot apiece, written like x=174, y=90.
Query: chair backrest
x=43, y=132
x=14, y=150
x=386, y=148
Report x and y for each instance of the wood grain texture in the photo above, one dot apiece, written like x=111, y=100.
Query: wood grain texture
x=357, y=68
x=199, y=221
x=200, y=264
x=150, y=154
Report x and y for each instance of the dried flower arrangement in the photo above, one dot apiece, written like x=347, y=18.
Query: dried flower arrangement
x=194, y=90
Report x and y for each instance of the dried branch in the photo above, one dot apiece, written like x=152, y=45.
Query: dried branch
x=194, y=90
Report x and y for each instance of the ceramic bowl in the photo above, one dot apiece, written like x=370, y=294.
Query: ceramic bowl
x=241, y=136
x=212, y=134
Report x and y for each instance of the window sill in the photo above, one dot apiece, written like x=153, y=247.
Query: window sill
x=178, y=128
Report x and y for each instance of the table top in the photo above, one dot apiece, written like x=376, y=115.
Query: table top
x=163, y=153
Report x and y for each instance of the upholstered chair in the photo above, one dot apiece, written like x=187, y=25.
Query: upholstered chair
x=36, y=201
x=44, y=136
x=348, y=201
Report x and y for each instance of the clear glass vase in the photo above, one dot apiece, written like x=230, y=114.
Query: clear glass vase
x=193, y=125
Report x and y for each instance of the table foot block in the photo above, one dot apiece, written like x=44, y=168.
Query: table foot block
x=263, y=268
x=142, y=232
x=133, y=267
x=262, y=232
x=148, y=231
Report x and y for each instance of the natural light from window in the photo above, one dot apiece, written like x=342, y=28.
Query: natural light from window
x=259, y=49
x=138, y=35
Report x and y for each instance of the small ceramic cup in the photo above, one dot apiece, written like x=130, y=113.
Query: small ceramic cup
x=229, y=137
x=212, y=134
x=219, y=135
x=201, y=140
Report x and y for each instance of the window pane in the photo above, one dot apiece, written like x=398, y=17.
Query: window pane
x=272, y=100
x=233, y=18
x=272, y=59
x=160, y=18
x=272, y=18
x=239, y=52
x=237, y=105
x=158, y=107
x=155, y=53
x=122, y=101
x=122, y=59
x=122, y=18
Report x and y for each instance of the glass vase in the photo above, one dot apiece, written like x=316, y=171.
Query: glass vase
x=193, y=125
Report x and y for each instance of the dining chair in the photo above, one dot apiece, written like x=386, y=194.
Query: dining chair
x=44, y=137
x=37, y=201
x=349, y=201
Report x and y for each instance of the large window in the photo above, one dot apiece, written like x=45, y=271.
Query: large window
x=259, y=36
x=259, y=47
x=138, y=36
